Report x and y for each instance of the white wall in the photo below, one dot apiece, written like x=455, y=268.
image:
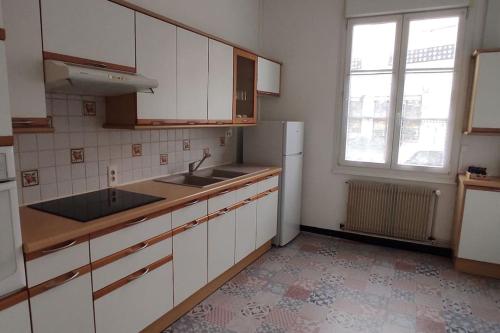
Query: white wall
x=308, y=37
x=233, y=20
x=492, y=27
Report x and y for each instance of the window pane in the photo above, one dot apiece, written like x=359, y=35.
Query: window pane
x=373, y=46
x=432, y=43
x=424, y=119
x=368, y=118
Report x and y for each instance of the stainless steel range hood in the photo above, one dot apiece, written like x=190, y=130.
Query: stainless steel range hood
x=63, y=77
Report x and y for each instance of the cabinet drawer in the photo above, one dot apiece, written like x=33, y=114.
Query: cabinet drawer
x=267, y=184
x=64, y=304
x=189, y=212
x=136, y=301
x=57, y=260
x=130, y=260
x=246, y=191
x=221, y=200
x=137, y=231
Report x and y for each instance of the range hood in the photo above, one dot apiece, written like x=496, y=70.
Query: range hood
x=63, y=77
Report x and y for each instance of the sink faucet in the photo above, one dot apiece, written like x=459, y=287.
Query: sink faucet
x=193, y=166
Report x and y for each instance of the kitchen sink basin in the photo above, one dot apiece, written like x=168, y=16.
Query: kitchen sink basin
x=201, y=178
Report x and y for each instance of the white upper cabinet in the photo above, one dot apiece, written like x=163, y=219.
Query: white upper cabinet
x=220, y=81
x=156, y=58
x=192, y=75
x=484, y=113
x=23, y=47
x=268, y=77
x=96, y=30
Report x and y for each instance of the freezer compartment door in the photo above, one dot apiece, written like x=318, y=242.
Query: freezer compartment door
x=12, y=275
x=294, y=138
x=291, y=199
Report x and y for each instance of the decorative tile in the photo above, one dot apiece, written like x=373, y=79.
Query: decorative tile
x=163, y=159
x=89, y=108
x=77, y=155
x=137, y=150
x=30, y=178
x=222, y=141
x=186, y=145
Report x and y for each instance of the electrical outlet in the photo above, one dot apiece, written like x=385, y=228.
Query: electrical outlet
x=112, y=175
x=229, y=133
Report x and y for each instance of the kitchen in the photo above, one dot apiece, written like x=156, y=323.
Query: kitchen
x=163, y=182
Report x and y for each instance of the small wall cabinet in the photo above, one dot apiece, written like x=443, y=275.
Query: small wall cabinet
x=477, y=227
x=484, y=115
x=92, y=32
x=269, y=78
x=23, y=48
x=245, y=87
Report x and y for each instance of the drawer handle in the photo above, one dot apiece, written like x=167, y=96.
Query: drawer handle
x=70, y=244
x=145, y=271
x=57, y=284
x=223, y=192
x=223, y=212
x=247, y=184
x=144, y=219
x=247, y=201
x=191, y=203
x=144, y=245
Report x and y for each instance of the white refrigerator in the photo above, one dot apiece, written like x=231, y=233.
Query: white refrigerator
x=280, y=143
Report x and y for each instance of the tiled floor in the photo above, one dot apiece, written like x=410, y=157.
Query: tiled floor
x=323, y=284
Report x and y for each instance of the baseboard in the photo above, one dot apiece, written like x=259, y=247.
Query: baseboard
x=397, y=244
x=169, y=318
x=477, y=267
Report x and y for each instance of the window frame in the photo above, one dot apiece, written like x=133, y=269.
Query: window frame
x=397, y=91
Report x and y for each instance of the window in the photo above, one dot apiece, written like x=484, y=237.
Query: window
x=398, y=93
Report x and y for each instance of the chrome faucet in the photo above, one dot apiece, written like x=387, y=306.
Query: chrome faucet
x=193, y=166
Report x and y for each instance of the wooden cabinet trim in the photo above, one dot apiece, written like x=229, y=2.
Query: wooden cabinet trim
x=56, y=248
x=13, y=299
x=477, y=267
x=226, y=191
x=129, y=278
x=2, y=34
x=190, y=203
x=59, y=280
x=130, y=250
x=129, y=223
x=6, y=141
x=190, y=225
x=87, y=62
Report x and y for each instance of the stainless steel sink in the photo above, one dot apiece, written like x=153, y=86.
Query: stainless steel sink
x=202, y=178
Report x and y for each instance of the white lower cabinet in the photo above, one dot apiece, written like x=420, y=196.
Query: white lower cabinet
x=221, y=242
x=16, y=318
x=135, y=305
x=67, y=307
x=246, y=225
x=267, y=218
x=190, y=261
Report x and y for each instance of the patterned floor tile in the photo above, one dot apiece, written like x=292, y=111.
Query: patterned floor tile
x=319, y=284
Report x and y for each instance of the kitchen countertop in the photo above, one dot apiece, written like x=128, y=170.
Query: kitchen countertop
x=41, y=230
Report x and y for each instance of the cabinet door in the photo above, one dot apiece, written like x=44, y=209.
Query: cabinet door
x=246, y=225
x=67, y=307
x=16, y=318
x=245, y=87
x=267, y=218
x=94, y=30
x=268, y=81
x=221, y=240
x=192, y=75
x=156, y=58
x=5, y=122
x=480, y=227
x=220, y=82
x=190, y=262
x=137, y=304
x=23, y=48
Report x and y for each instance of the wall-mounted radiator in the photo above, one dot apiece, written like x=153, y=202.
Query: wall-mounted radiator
x=394, y=210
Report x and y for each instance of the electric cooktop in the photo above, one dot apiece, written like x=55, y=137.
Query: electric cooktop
x=90, y=206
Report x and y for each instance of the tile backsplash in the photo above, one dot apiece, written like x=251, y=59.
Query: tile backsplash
x=75, y=158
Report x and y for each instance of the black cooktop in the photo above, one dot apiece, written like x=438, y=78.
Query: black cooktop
x=90, y=206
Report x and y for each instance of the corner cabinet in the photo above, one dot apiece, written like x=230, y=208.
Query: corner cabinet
x=90, y=32
x=484, y=117
x=23, y=48
x=269, y=79
x=245, y=87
